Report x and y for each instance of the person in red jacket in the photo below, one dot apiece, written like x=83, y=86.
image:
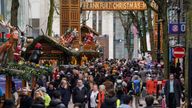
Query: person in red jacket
x=150, y=87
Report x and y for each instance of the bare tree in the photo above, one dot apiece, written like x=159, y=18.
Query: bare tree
x=126, y=21
x=188, y=41
x=50, y=18
x=151, y=34
x=162, y=14
x=14, y=12
x=136, y=18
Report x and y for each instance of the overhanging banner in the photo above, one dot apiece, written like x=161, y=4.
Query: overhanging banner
x=112, y=6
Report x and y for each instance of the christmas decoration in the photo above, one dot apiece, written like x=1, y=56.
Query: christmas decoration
x=73, y=60
x=35, y=56
x=7, y=49
x=17, y=54
x=25, y=71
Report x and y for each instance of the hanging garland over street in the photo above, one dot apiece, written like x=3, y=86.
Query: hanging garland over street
x=25, y=71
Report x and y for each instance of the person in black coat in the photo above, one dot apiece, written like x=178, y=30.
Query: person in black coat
x=25, y=100
x=9, y=103
x=38, y=103
x=172, y=92
x=80, y=93
x=56, y=101
x=110, y=100
x=65, y=92
x=50, y=89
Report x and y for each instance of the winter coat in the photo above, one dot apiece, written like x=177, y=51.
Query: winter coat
x=37, y=106
x=25, y=101
x=100, y=98
x=50, y=92
x=79, y=96
x=150, y=87
x=177, y=91
x=65, y=95
x=56, y=103
x=109, y=102
x=47, y=99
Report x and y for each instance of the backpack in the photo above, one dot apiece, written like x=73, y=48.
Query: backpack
x=119, y=85
x=1, y=92
x=136, y=86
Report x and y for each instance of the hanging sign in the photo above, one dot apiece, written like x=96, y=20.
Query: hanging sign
x=112, y=6
x=174, y=28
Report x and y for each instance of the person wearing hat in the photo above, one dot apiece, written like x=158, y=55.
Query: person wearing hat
x=45, y=96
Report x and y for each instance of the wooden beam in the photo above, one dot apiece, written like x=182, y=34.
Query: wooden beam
x=8, y=88
x=23, y=83
x=33, y=82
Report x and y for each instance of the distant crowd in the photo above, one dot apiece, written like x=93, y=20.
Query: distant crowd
x=102, y=84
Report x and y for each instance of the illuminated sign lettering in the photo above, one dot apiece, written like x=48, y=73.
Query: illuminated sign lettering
x=112, y=6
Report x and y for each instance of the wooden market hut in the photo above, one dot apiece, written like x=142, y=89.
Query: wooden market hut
x=52, y=51
x=88, y=50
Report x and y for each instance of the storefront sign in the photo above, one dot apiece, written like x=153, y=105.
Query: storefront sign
x=112, y=6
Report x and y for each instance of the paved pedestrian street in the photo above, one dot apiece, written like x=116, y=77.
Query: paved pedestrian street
x=95, y=53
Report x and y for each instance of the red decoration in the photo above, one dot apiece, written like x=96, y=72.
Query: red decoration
x=8, y=36
x=89, y=38
x=17, y=54
x=0, y=35
x=38, y=46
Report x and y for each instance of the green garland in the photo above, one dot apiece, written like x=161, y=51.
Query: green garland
x=24, y=71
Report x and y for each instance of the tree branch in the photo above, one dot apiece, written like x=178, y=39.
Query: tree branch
x=149, y=6
x=56, y=10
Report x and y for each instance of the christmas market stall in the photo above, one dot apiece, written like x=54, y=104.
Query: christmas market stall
x=83, y=45
x=88, y=37
x=51, y=51
x=89, y=48
x=13, y=66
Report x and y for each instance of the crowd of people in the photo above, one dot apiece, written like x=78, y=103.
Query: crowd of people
x=102, y=84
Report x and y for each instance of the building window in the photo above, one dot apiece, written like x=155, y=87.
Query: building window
x=35, y=25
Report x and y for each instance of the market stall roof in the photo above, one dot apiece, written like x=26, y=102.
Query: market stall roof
x=92, y=53
x=87, y=29
x=51, y=41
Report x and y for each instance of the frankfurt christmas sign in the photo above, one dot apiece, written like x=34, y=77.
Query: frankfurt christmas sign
x=114, y=6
